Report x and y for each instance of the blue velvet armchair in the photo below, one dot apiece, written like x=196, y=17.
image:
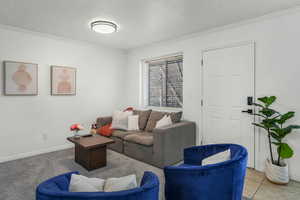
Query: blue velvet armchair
x=57, y=188
x=221, y=181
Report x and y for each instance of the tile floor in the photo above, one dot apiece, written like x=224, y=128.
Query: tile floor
x=257, y=187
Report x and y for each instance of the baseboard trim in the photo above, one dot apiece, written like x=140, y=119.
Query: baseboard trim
x=34, y=153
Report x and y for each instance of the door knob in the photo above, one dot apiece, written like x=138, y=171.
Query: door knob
x=250, y=111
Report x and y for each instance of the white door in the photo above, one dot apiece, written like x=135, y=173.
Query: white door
x=228, y=80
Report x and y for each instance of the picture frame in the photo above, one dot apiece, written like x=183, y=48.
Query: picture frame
x=63, y=81
x=20, y=78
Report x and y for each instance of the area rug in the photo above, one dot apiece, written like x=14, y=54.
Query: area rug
x=18, y=179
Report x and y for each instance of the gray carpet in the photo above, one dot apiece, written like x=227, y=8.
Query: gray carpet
x=19, y=178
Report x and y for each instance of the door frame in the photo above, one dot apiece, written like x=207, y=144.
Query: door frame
x=255, y=131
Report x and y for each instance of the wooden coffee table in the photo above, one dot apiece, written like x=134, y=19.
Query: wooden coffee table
x=90, y=151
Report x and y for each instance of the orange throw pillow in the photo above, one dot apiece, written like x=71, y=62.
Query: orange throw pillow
x=105, y=130
x=128, y=109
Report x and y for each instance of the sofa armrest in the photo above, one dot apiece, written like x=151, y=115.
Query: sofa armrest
x=170, y=141
x=102, y=121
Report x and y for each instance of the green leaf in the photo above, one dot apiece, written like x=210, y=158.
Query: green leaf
x=263, y=99
x=283, y=118
x=287, y=130
x=259, y=115
x=267, y=100
x=260, y=125
x=276, y=143
x=275, y=136
x=269, y=123
x=282, y=132
x=268, y=112
x=276, y=116
x=278, y=131
x=258, y=105
x=285, y=151
x=293, y=126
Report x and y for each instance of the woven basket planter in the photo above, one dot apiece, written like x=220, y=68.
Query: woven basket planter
x=277, y=174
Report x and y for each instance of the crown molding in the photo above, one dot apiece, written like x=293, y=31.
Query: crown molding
x=262, y=18
x=56, y=37
x=268, y=16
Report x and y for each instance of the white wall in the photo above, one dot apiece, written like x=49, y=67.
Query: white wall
x=277, y=68
x=34, y=124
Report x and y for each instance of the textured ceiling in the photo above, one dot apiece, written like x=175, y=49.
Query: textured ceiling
x=141, y=21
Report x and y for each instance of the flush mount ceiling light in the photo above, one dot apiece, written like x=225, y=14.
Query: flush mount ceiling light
x=104, y=27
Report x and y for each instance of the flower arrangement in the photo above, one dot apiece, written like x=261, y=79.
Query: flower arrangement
x=75, y=128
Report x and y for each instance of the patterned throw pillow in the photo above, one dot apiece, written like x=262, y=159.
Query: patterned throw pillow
x=176, y=116
x=155, y=116
x=165, y=121
x=143, y=117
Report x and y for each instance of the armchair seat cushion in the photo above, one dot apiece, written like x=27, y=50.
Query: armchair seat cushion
x=121, y=134
x=143, y=138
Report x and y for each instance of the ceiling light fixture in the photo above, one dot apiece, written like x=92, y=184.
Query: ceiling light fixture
x=104, y=27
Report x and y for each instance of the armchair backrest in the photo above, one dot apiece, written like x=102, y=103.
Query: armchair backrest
x=223, y=180
x=195, y=155
x=56, y=188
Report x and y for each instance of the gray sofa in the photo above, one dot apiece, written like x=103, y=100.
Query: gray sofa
x=156, y=146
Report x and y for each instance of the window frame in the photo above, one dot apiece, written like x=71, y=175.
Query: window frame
x=144, y=92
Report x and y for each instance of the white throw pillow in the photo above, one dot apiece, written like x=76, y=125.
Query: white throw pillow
x=133, y=123
x=165, y=121
x=81, y=183
x=217, y=158
x=120, y=120
x=118, y=184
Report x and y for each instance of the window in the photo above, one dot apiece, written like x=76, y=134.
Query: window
x=165, y=81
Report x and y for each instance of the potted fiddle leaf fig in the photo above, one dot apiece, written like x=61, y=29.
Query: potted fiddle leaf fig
x=273, y=122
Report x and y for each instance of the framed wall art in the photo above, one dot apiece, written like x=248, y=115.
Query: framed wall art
x=20, y=78
x=63, y=80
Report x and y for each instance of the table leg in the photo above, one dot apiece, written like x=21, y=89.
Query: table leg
x=90, y=158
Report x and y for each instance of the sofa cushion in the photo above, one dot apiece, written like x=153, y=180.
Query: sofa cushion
x=155, y=116
x=176, y=116
x=143, y=117
x=105, y=130
x=133, y=123
x=117, y=145
x=119, y=184
x=120, y=120
x=165, y=121
x=143, y=138
x=121, y=134
x=79, y=183
x=217, y=158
